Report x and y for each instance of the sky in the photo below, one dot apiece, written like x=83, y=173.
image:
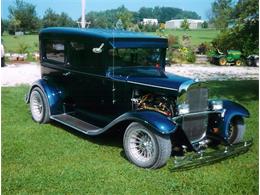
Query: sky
x=73, y=7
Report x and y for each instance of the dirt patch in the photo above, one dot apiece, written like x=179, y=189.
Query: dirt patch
x=20, y=73
x=27, y=73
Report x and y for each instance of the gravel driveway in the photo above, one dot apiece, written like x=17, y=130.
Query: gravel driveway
x=17, y=74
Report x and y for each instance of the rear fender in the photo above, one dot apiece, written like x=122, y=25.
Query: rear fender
x=54, y=95
x=231, y=109
x=151, y=119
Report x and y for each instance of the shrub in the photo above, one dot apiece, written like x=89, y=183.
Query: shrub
x=185, y=24
x=187, y=55
x=173, y=41
x=23, y=48
x=190, y=56
x=203, y=48
x=148, y=28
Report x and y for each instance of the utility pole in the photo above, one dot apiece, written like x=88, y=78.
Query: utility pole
x=83, y=22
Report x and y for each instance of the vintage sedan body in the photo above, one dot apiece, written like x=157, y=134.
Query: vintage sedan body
x=96, y=80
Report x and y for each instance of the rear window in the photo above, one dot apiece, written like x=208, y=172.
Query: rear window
x=54, y=50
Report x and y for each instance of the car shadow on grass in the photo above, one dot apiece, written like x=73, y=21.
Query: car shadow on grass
x=113, y=138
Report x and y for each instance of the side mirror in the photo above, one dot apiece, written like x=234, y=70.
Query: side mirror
x=98, y=49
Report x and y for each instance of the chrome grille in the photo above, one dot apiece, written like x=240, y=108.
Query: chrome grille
x=197, y=99
x=195, y=126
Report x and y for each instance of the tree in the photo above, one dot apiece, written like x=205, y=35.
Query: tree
x=244, y=36
x=5, y=24
x=65, y=20
x=204, y=25
x=221, y=13
x=51, y=18
x=14, y=25
x=164, y=14
x=185, y=24
x=245, y=9
x=125, y=16
x=119, y=24
x=25, y=13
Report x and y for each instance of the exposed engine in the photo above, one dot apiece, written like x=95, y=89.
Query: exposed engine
x=154, y=102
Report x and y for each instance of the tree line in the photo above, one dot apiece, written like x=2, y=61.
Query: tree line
x=23, y=17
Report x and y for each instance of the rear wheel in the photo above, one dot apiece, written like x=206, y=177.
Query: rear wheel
x=236, y=130
x=145, y=148
x=39, y=106
x=222, y=61
x=238, y=63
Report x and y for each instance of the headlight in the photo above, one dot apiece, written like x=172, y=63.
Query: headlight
x=217, y=105
x=183, y=108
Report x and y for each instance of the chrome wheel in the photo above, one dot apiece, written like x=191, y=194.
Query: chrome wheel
x=145, y=148
x=36, y=105
x=141, y=145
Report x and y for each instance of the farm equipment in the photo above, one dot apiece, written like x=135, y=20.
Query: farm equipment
x=232, y=57
x=252, y=60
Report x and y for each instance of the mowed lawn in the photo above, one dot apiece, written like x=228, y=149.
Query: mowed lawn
x=52, y=159
x=197, y=36
x=11, y=43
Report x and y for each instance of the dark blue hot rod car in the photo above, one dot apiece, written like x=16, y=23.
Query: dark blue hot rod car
x=95, y=80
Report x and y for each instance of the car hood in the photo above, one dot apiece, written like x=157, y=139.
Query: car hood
x=170, y=82
x=165, y=80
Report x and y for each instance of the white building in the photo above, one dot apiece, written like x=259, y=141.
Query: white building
x=173, y=24
x=149, y=21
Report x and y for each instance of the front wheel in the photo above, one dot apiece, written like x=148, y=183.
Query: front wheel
x=236, y=130
x=145, y=148
x=39, y=106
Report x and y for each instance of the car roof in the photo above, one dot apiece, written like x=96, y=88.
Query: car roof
x=98, y=33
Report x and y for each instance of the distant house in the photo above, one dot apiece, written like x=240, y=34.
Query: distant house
x=174, y=24
x=149, y=21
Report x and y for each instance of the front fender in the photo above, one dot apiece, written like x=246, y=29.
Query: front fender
x=154, y=120
x=231, y=109
x=54, y=95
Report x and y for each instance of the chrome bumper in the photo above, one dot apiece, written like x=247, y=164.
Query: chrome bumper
x=205, y=158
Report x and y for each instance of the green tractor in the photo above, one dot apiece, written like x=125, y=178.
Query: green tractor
x=232, y=57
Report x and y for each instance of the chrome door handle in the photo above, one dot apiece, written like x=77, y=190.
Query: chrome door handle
x=66, y=74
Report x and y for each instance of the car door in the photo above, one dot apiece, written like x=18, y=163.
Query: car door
x=54, y=66
x=90, y=92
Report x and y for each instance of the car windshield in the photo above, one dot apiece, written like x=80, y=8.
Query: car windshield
x=129, y=57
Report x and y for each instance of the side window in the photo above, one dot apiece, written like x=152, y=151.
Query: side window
x=54, y=51
x=81, y=55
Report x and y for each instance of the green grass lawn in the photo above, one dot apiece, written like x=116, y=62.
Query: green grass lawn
x=197, y=36
x=52, y=159
x=11, y=42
